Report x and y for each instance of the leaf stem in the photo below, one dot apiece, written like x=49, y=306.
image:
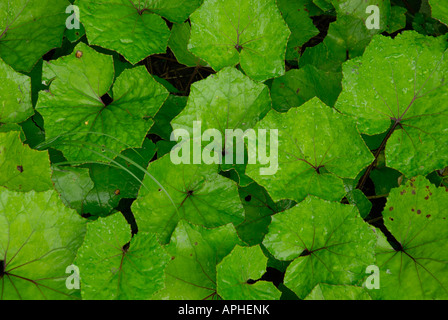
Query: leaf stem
x=363, y=179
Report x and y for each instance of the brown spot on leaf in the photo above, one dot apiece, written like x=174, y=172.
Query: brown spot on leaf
x=20, y=169
x=427, y=197
x=428, y=216
x=117, y=192
x=413, y=191
x=391, y=219
x=391, y=208
x=79, y=54
x=419, y=211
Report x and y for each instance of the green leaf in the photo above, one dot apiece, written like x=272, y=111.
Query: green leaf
x=174, y=10
x=402, y=89
x=15, y=101
x=328, y=241
x=128, y=27
x=348, y=36
x=251, y=33
x=237, y=272
x=38, y=241
x=114, y=266
x=74, y=35
x=74, y=105
x=73, y=184
x=439, y=10
x=113, y=183
x=23, y=169
x=384, y=179
x=29, y=29
x=298, y=86
x=331, y=292
x=415, y=214
x=397, y=19
x=317, y=148
x=258, y=209
x=180, y=36
x=358, y=198
x=227, y=100
x=195, y=251
x=302, y=28
x=162, y=120
x=195, y=193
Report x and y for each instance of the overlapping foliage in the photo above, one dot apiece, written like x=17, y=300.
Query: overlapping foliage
x=87, y=181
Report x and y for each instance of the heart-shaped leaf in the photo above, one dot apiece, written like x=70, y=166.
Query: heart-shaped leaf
x=193, y=192
x=251, y=33
x=114, y=266
x=317, y=147
x=328, y=241
x=76, y=109
x=140, y=32
x=403, y=94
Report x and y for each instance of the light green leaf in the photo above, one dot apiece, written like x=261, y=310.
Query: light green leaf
x=114, y=266
x=439, y=10
x=251, y=33
x=415, y=214
x=239, y=276
x=74, y=105
x=227, y=100
x=22, y=168
x=317, y=148
x=126, y=26
x=328, y=241
x=402, y=88
x=38, y=241
x=195, y=251
x=193, y=192
x=29, y=29
x=15, y=101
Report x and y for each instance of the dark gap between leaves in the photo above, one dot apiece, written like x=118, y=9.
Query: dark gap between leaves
x=124, y=206
x=107, y=99
x=2, y=268
x=375, y=217
x=323, y=24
